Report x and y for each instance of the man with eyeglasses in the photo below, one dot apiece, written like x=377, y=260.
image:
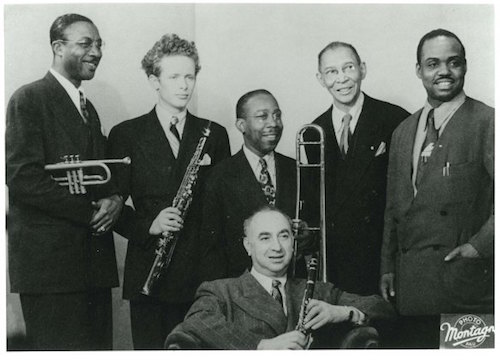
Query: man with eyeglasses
x=61, y=251
x=358, y=132
x=255, y=176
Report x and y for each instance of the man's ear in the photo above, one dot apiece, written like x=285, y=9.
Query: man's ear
x=418, y=70
x=241, y=125
x=246, y=244
x=154, y=82
x=57, y=48
x=363, y=69
x=319, y=77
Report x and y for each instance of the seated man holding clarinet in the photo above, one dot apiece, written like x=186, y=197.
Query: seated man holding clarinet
x=262, y=309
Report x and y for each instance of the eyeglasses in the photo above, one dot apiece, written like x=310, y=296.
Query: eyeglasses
x=86, y=44
x=276, y=116
x=332, y=73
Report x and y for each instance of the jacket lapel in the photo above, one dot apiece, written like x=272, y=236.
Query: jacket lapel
x=156, y=147
x=294, y=295
x=245, y=179
x=256, y=302
x=365, y=142
x=67, y=115
x=284, y=180
x=190, y=138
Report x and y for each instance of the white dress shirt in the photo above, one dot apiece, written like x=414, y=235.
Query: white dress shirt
x=442, y=116
x=73, y=92
x=253, y=160
x=165, y=118
x=267, y=284
x=337, y=116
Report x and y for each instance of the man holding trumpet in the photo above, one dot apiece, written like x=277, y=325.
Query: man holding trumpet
x=61, y=251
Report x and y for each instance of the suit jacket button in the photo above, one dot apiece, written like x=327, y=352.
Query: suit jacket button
x=443, y=213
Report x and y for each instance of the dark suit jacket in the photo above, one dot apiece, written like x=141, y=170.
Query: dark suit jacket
x=355, y=195
x=237, y=313
x=446, y=212
x=233, y=194
x=50, y=244
x=152, y=182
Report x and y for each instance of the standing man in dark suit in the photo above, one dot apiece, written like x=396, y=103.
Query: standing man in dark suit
x=62, y=270
x=437, y=255
x=357, y=131
x=260, y=309
x=161, y=144
x=253, y=177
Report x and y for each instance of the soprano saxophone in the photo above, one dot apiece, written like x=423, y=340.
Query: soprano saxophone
x=166, y=244
x=312, y=267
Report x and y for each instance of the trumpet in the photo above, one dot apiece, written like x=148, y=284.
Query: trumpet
x=75, y=179
x=321, y=229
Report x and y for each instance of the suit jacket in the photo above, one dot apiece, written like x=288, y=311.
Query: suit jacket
x=355, y=195
x=50, y=244
x=152, y=181
x=447, y=211
x=233, y=194
x=237, y=313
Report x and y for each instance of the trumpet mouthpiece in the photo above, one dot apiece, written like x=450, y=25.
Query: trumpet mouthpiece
x=127, y=160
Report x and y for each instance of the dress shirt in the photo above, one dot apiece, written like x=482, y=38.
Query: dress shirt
x=442, y=115
x=338, y=114
x=267, y=284
x=73, y=92
x=253, y=159
x=165, y=118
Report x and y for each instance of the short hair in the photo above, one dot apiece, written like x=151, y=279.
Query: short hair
x=169, y=45
x=262, y=209
x=62, y=22
x=434, y=34
x=335, y=45
x=240, y=105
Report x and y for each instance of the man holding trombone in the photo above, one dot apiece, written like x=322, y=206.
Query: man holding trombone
x=61, y=252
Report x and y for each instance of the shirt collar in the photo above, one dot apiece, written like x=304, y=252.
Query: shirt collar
x=444, y=111
x=72, y=91
x=165, y=117
x=253, y=158
x=355, y=110
x=266, y=281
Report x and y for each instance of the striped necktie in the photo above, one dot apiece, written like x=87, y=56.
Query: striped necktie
x=276, y=293
x=175, y=143
x=83, y=107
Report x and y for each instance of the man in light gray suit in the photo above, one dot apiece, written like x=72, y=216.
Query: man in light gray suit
x=437, y=254
x=260, y=309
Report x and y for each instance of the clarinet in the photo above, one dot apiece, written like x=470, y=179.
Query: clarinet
x=166, y=244
x=312, y=267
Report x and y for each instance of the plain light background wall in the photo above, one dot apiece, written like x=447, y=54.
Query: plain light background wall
x=243, y=47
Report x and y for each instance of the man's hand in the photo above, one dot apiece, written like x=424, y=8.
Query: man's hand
x=466, y=251
x=168, y=220
x=387, y=286
x=107, y=211
x=320, y=313
x=306, y=241
x=293, y=340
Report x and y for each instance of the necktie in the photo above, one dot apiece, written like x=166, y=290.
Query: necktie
x=175, y=143
x=346, y=135
x=83, y=107
x=431, y=138
x=276, y=293
x=265, y=183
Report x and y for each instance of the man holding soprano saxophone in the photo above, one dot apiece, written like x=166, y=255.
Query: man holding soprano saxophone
x=161, y=144
x=61, y=251
x=260, y=309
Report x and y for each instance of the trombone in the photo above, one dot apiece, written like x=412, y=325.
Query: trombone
x=75, y=179
x=300, y=144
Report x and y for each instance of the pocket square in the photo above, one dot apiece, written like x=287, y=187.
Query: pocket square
x=207, y=160
x=381, y=149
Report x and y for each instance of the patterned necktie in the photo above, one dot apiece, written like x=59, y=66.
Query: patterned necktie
x=345, y=137
x=430, y=140
x=265, y=183
x=175, y=143
x=276, y=293
x=83, y=107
